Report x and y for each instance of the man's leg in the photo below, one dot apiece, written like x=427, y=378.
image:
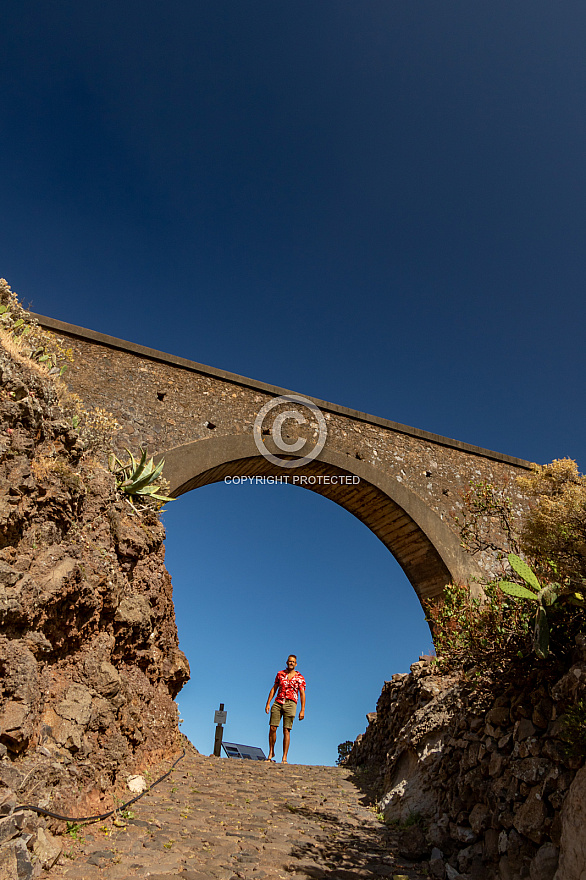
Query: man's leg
x=286, y=740
x=272, y=742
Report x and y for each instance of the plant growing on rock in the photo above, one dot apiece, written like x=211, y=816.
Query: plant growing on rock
x=551, y=595
x=487, y=521
x=550, y=603
x=344, y=750
x=533, y=592
x=136, y=479
x=74, y=829
x=486, y=631
x=23, y=335
x=553, y=535
x=29, y=344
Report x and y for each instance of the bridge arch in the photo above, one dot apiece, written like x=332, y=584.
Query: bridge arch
x=427, y=550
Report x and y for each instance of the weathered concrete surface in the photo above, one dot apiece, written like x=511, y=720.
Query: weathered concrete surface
x=201, y=420
x=221, y=819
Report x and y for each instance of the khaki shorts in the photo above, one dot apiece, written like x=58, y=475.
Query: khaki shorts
x=286, y=711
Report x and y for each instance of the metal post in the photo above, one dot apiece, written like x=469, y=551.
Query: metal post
x=218, y=737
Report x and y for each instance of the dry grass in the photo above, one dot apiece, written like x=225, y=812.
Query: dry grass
x=42, y=466
x=13, y=346
x=46, y=355
x=23, y=336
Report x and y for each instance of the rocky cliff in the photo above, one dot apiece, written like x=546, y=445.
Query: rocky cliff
x=485, y=782
x=89, y=656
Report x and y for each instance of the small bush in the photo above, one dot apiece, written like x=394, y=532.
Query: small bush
x=344, y=750
x=486, y=632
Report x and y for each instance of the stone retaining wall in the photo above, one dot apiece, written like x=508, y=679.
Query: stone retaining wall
x=479, y=781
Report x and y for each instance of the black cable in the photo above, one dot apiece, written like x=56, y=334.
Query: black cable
x=43, y=812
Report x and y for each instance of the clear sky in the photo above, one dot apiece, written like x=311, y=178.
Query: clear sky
x=376, y=203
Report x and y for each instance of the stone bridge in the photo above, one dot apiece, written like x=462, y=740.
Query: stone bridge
x=403, y=483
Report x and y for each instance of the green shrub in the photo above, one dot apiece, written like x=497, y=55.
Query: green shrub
x=487, y=632
x=344, y=750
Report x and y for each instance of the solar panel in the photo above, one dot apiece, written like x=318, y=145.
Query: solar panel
x=234, y=750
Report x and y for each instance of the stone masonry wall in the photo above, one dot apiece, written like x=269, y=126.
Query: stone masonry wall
x=164, y=402
x=478, y=781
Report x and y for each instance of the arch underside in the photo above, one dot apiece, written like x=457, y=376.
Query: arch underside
x=414, y=550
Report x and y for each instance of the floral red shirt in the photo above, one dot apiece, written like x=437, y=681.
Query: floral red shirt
x=287, y=689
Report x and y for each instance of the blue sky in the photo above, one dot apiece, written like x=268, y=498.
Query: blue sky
x=380, y=204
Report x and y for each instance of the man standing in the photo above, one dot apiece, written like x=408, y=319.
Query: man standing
x=288, y=684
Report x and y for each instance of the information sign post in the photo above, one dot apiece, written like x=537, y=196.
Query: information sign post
x=219, y=719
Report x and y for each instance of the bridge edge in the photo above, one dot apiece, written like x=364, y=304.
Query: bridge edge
x=184, y=363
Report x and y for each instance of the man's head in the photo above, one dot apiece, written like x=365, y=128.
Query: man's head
x=291, y=662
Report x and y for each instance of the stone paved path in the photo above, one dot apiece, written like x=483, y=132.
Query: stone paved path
x=222, y=819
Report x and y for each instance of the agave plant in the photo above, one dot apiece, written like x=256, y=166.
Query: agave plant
x=138, y=478
x=534, y=592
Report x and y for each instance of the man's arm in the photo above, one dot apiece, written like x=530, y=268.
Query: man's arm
x=270, y=697
x=302, y=710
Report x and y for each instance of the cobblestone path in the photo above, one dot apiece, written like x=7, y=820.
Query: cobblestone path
x=222, y=819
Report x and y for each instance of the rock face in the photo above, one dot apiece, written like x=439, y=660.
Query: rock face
x=489, y=777
x=89, y=656
x=572, y=864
